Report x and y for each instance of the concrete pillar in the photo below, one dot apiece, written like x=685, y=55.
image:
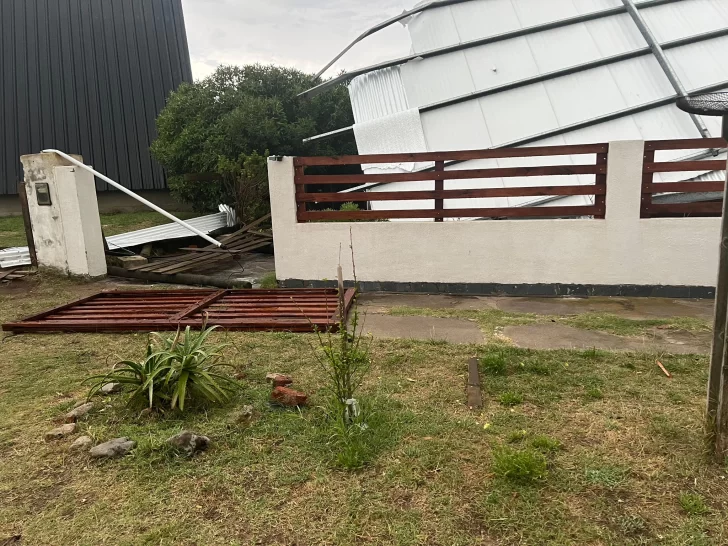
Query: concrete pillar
x=283, y=210
x=66, y=232
x=624, y=182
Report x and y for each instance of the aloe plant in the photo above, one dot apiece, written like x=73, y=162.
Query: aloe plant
x=183, y=367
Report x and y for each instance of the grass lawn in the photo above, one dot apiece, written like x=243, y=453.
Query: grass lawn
x=573, y=447
x=12, y=232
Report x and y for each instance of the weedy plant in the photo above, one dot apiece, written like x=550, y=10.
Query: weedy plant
x=344, y=356
x=183, y=367
x=693, y=504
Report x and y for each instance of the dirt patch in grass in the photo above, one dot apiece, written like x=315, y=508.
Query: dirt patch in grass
x=618, y=465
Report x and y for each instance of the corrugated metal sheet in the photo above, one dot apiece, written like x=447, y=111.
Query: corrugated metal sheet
x=207, y=224
x=377, y=95
x=88, y=77
x=12, y=257
x=557, y=103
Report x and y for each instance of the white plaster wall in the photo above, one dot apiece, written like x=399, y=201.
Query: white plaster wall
x=621, y=249
x=67, y=234
x=81, y=221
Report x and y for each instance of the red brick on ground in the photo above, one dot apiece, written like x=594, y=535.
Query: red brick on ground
x=288, y=397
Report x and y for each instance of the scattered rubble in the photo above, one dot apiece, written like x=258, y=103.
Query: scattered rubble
x=126, y=262
x=189, y=443
x=279, y=379
x=288, y=397
x=60, y=432
x=117, y=447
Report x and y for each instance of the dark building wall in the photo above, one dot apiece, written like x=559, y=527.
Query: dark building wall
x=88, y=77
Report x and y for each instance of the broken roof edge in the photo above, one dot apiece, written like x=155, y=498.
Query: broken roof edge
x=605, y=61
x=345, y=76
x=644, y=107
x=384, y=24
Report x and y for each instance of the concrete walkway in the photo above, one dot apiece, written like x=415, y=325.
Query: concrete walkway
x=545, y=335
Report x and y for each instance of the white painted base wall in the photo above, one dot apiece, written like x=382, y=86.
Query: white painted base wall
x=67, y=234
x=621, y=249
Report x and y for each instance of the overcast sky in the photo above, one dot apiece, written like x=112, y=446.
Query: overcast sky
x=305, y=34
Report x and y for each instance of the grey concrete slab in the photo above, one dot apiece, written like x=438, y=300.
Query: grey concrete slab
x=382, y=302
x=632, y=308
x=559, y=336
x=251, y=267
x=423, y=328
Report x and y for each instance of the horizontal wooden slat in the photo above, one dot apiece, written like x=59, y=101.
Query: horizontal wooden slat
x=687, y=208
x=419, y=176
x=508, y=212
x=679, y=187
x=680, y=166
x=462, y=155
x=685, y=144
x=523, y=191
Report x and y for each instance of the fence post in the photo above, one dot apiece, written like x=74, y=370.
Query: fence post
x=439, y=186
x=26, y=221
x=300, y=189
x=647, y=181
x=601, y=181
x=717, y=407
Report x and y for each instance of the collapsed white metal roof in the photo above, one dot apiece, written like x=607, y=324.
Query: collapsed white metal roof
x=13, y=257
x=547, y=73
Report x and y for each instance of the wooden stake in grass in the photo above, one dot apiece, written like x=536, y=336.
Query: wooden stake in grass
x=475, y=395
x=664, y=370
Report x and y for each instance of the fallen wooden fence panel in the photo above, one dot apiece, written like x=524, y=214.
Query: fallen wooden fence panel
x=293, y=310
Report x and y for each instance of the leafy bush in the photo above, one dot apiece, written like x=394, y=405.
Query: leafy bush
x=345, y=207
x=524, y=466
x=228, y=122
x=183, y=367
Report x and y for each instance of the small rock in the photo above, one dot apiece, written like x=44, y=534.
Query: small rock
x=279, y=379
x=288, y=397
x=117, y=447
x=60, y=432
x=111, y=388
x=73, y=415
x=189, y=443
x=82, y=443
x=242, y=417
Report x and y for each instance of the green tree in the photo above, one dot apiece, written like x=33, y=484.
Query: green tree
x=229, y=122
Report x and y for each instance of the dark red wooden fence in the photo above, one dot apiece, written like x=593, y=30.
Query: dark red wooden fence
x=649, y=187
x=438, y=175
